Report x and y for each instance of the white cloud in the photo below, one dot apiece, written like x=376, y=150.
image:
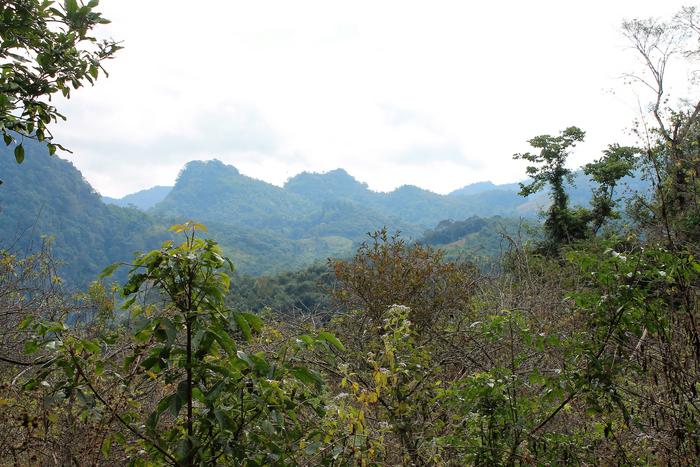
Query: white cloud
x=438, y=94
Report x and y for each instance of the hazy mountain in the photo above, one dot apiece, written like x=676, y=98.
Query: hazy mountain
x=213, y=191
x=481, y=187
x=334, y=185
x=144, y=199
x=263, y=227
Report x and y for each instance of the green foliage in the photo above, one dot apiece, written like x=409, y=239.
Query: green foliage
x=617, y=163
x=47, y=48
x=387, y=270
x=564, y=225
x=479, y=240
x=550, y=169
x=287, y=293
x=217, y=399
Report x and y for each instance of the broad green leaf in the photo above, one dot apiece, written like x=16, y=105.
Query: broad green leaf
x=254, y=321
x=331, y=339
x=91, y=346
x=170, y=330
x=106, y=446
x=307, y=376
x=224, y=340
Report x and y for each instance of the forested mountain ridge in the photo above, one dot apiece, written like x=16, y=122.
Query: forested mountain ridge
x=47, y=195
x=266, y=229
x=220, y=193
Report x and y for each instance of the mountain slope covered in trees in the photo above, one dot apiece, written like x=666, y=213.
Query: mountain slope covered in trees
x=264, y=228
x=48, y=196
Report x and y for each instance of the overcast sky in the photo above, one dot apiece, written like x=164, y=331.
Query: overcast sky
x=437, y=94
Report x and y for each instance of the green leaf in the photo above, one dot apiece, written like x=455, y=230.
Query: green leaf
x=26, y=322
x=254, y=321
x=224, y=341
x=106, y=446
x=19, y=153
x=331, y=339
x=31, y=384
x=127, y=304
x=109, y=270
x=307, y=376
x=170, y=330
x=268, y=428
x=31, y=347
x=243, y=325
x=91, y=346
x=244, y=356
x=224, y=420
x=179, y=399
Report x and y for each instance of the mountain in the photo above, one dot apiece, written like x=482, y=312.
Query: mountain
x=481, y=187
x=264, y=228
x=212, y=191
x=309, y=205
x=46, y=195
x=215, y=192
x=143, y=200
x=334, y=185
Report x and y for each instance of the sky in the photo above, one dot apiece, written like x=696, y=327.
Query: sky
x=437, y=94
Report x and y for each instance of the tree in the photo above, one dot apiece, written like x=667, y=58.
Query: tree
x=45, y=49
x=671, y=141
x=387, y=271
x=617, y=162
x=549, y=169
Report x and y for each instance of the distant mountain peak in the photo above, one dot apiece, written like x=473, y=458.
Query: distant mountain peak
x=410, y=189
x=335, y=174
x=332, y=185
x=481, y=187
x=205, y=166
x=142, y=199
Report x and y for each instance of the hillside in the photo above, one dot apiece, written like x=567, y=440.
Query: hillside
x=214, y=191
x=48, y=196
x=265, y=229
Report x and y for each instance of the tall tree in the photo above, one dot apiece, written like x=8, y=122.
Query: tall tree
x=549, y=168
x=672, y=137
